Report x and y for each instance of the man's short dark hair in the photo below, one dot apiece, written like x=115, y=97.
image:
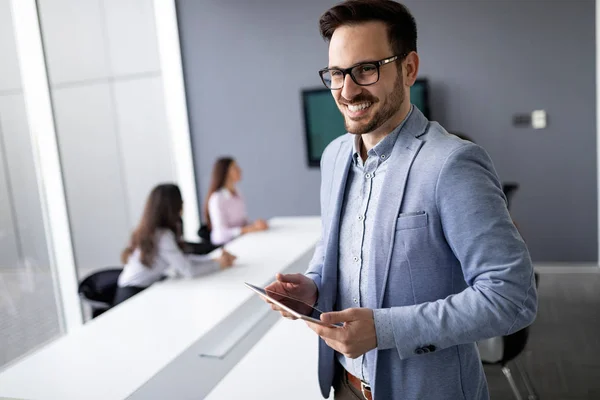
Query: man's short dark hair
x=402, y=28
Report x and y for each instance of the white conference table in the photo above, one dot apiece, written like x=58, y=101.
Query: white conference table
x=282, y=365
x=128, y=347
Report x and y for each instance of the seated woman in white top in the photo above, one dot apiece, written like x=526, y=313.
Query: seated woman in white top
x=155, y=249
x=224, y=209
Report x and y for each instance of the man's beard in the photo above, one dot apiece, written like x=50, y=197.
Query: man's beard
x=390, y=106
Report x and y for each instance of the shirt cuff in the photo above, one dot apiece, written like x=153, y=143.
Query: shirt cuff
x=235, y=232
x=384, y=329
x=216, y=253
x=317, y=280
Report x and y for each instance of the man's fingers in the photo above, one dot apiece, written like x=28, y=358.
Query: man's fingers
x=314, y=327
x=283, y=313
x=339, y=316
x=287, y=315
x=290, y=278
x=324, y=331
x=273, y=286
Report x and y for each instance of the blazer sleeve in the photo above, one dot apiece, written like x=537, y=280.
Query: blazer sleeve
x=501, y=297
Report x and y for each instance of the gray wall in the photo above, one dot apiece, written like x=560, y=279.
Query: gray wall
x=246, y=62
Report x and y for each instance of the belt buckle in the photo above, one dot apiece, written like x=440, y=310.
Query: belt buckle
x=365, y=388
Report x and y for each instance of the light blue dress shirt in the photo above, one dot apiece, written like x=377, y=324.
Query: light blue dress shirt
x=361, y=198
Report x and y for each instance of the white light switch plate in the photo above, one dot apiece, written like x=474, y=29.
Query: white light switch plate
x=538, y=119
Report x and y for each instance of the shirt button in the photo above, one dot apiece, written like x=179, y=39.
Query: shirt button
x=355, y=259
x=383, y=156
x=367, y=176
x=355, y=301
x=360, y=217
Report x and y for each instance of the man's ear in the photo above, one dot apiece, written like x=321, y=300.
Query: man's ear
x=411, y=68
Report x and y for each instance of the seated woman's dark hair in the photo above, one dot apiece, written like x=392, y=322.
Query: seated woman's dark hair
x=162, y=211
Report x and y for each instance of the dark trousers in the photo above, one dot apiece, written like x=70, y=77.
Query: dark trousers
x=126, y=292
x=342, y=389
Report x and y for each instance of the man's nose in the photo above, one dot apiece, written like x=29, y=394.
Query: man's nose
x=350, y=89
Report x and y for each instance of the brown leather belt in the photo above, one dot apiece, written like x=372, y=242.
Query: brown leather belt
x=360, y=386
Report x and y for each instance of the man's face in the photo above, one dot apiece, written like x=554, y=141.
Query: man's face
x=366, y=108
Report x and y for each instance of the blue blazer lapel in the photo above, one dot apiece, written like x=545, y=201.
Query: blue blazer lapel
x=405, y=150
x=336, y=200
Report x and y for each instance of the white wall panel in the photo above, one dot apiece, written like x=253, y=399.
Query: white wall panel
x=144, y=137
x=131, y=36
x=92, y=171
x=74, y=40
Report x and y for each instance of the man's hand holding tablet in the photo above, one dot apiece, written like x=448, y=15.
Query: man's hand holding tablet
x=297, y=286
x=353, y=332
x=293, y=296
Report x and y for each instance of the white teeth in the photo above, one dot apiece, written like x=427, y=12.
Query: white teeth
x=358, y=107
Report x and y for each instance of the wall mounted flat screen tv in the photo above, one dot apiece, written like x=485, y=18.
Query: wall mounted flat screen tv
x=323, y=122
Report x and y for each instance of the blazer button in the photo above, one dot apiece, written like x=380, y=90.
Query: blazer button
x=419, y=351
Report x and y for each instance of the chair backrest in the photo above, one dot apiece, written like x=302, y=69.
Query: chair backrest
x=204, y=233
x=509, y=189
x=100, y=285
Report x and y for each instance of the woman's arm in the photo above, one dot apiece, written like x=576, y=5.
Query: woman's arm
x=187, y=266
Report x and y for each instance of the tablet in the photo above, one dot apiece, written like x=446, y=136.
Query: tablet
x=297, y=308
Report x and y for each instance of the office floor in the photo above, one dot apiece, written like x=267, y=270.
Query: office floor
x=563, y=353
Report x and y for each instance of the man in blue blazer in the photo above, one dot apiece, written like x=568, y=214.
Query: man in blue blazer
x=419, y=257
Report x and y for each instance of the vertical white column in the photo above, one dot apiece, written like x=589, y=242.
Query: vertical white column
x=167, y=33
x=47, y=161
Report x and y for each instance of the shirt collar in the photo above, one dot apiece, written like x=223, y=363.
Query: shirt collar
x=383, y=149
x=226, y=193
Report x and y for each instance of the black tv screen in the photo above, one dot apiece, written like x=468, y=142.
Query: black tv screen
x=323, y=122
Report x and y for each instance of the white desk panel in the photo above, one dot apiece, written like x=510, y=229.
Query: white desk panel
x=282, y=365
x=118, y=352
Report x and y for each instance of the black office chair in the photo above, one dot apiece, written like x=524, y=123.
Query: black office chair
x=98, y=290
x=204, y=233
x=513, y=346
x=509, y=189
x=203, y=247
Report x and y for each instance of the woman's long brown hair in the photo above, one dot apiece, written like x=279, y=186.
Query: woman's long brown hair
x=162, y=211
x=219, y=176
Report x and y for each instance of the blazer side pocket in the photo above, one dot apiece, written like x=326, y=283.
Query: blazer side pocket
x=411, y=220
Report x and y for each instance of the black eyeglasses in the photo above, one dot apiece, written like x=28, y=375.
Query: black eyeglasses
x=363, y=74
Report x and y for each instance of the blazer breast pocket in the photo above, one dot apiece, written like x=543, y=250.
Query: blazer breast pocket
x=411, y=220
